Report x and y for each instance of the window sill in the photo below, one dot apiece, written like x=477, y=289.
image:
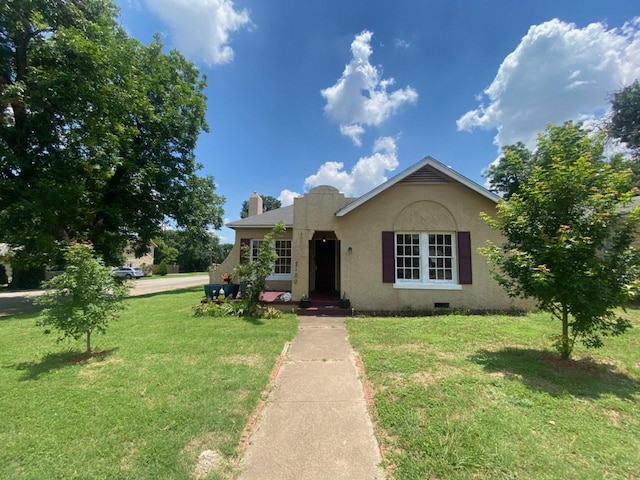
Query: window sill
x=427, y=286
x=285, y=277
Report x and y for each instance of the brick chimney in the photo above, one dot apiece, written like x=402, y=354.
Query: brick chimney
x=255, y=204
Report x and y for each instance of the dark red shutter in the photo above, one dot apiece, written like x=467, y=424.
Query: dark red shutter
x=244, y=242
x=464, y=258
x=388, y=258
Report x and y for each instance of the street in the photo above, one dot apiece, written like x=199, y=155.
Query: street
x=12, y=303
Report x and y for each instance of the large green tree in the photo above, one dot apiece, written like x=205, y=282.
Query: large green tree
x=624, y=123
x=568, y=233
x=192, y=253
x=506, y=175
x=97, y=134
x=268, y=203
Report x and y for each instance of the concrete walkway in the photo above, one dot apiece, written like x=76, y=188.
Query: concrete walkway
x=315, y=424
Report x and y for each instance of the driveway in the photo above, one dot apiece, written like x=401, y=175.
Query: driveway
x=12, y=303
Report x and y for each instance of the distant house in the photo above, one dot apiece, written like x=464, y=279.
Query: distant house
x=145, y=262
x=409, y=243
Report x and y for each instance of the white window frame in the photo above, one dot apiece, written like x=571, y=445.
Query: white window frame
x=255, y=245
x=424, y=265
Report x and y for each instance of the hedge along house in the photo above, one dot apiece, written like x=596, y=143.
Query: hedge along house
x=410, y=243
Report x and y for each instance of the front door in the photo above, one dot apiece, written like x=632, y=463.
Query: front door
x=325, y=265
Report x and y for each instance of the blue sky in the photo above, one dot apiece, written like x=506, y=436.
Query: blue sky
x=350, y=93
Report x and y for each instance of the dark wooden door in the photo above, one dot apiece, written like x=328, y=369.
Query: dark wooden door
x=325, y=265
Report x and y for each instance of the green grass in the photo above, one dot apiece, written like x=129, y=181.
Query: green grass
x=462, y=397
x=164, y=387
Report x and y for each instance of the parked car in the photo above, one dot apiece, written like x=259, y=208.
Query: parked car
x=127, y=272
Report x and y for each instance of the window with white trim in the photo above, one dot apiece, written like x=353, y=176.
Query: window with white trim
x=282, y=266
x=425, y=258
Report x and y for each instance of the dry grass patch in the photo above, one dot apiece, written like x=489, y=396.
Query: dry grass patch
x=250, y=360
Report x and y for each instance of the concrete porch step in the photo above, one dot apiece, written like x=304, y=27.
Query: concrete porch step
x=324, y=307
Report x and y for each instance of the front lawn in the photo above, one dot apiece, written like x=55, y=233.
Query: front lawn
x=164, y=387
x=462, y=397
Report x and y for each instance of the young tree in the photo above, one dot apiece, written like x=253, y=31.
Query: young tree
x=97, y=134
x=83, y=299
x=568, y=238
x=255, y=272
x=268, y=203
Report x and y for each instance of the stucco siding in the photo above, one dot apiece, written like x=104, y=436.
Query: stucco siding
x=448, y=207
x=233, y=258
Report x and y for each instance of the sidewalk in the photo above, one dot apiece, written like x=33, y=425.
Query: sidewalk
x=315, y=424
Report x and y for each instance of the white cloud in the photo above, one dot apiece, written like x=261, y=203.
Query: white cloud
x=399, y=43
x=368, y=172
x=354, y=132
x=558, y=72
x=286, y=197
x=201, y=28
x=360, y=98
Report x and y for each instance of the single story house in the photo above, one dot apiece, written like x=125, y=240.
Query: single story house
x=410, y=243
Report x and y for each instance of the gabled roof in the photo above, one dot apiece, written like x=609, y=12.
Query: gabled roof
x=427, y=170
x=267, y=219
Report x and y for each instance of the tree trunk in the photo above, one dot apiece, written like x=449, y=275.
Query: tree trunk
x=565, y=351
x=88, y=343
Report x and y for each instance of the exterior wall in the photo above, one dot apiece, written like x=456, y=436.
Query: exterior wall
x=313, y=212
x=146, y=261
x=233, y=259
x=402, y=207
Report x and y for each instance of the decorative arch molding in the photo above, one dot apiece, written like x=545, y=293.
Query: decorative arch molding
x=425, y=215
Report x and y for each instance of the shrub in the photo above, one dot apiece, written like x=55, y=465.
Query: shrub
x=219, y=309
x=162, y=269
x=267, y=312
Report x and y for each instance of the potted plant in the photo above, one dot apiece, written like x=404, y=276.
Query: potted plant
x=344, y=301
x=305, y=302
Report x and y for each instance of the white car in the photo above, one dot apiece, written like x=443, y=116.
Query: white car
x=127, y=272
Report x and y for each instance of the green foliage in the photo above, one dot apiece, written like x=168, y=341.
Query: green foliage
x=234, y=309
x=193, y=251
x=83, y=299
x=268, y=203
x=255, y=272
x=130, y=116
x=162, y=269
x=268, y=312
x=4, y=279
x=164, y=252
x=625, y=119
x=512, y=168
x=221, y=252
x=568, y=237
x=219, y=309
